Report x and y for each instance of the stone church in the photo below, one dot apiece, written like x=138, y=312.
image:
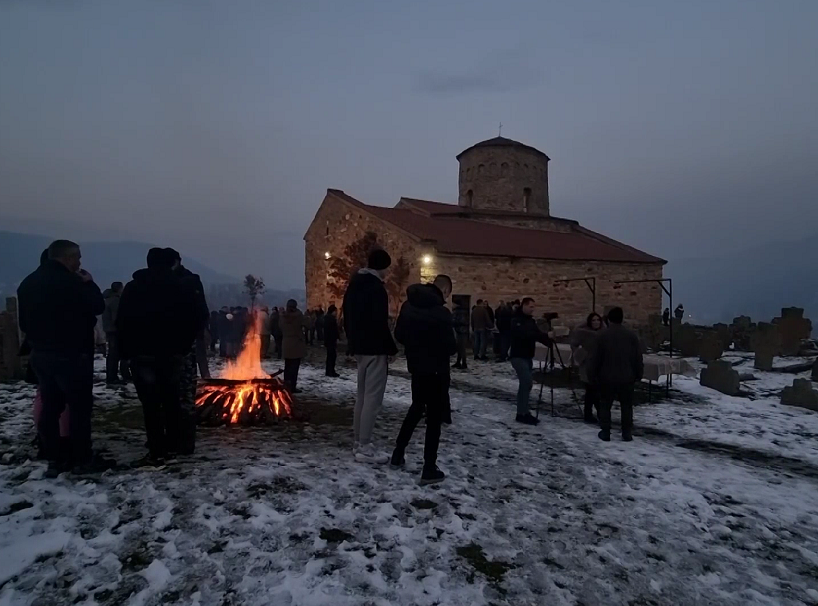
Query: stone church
x=499, y=243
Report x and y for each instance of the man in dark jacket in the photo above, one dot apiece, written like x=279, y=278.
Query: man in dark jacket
x=616, y=366
x=424, y=328
x=503, y=318
x=113, y=360
x=524, y=337
x=59, y=304
x=213, y=329
x=460, y=321
x=366, y=323
x=330, y=337
x=157, y=329
x=275, y=330
x=196, y=356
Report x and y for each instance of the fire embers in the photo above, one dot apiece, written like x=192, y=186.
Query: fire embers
x=250, y=402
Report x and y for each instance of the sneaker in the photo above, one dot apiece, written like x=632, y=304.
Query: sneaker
x=398, y=460
x=627, y=436
x=528, y=419
x=604, y=435
x=431, y=475
x=367, y=454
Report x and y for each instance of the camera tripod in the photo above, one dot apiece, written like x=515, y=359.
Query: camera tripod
x=547, y=368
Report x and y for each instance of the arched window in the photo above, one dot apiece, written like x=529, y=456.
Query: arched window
x=481, y=168
x=504, y=169
x=526, y=198
x=469, y=198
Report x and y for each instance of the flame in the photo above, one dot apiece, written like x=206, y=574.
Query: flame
x=258, y=399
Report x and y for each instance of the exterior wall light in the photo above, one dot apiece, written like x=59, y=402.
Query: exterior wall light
x=327, y=256
x=427, y=259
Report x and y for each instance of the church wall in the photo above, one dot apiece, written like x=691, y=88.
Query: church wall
x=495, y=279
x=498, y=176
x=336, y=225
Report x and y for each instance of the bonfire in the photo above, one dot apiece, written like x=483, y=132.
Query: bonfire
x=244, y=393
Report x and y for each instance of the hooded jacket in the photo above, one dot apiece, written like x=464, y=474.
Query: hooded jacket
x=366, y=316
x=425, y=329
x=58, y=311
x=156, y=315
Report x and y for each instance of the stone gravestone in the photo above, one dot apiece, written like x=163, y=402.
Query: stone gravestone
x=741, y=330
x=794, y=328
x=686, y=340
x=711, y=346
x=10, y=367
x=653, y=334
x=723, y=330
x=721, y=376
x=766, y=343
x=800, y=394
x=815, y=371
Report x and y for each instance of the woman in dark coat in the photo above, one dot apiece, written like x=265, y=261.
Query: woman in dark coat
x=582, y=344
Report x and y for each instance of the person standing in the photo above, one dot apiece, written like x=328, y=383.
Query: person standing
x=58, y=307
x=460, y=320
x=293, y=345
x=503, y=318
x=616, y=366
x=319, y=323
x=481, y=324
x=424, y=328
x=524, y=337
x=156, y=330
x=113, y=360
x=666, y=317
x=366, y=323
x=213, y=328
x=197, y=355
x=263, y=322
x=583, y=341
x=679, y=312
x=330, y=336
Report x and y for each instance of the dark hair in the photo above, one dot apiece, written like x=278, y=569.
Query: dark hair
x=59, y=249
x=590, y=319
x=292, y=304
x=616, y=315
x=479, y=301
x=117, y=286
x=173, y=255
x=378, y=259
x=331, y=309
x=443, y=279
x=158, y=258
x=527, y=300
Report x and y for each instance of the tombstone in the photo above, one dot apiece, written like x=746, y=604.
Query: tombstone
x=711, y=347
x=653, y=334
x=686, y=340
x=10, y=366
x=721, y=376
x=815, y=371
x=801, y=394
x=741, y=332
x=794, y=328
x=723, y=330
x=766, y=343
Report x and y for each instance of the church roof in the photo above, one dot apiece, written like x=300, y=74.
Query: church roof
x=456, y=235
x=502, y=142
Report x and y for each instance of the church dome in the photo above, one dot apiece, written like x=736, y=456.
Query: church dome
x=502, y=142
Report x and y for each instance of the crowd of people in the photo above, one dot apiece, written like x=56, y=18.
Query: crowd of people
x=158, y=329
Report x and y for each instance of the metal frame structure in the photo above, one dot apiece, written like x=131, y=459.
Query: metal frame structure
x=590, y=282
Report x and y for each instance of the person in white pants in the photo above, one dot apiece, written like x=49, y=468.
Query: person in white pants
x=366, y=322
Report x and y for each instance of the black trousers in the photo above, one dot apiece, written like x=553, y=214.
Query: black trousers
x=265, y=345
x=430, y=395
x=201, y=356
x=213, y=338
x=112, y=362
x=591, y=398
x=223, y=347
x=65, y=380
x=291, y=366
x=624, y=394
x=279, y=339
x=158, y=383
x=462, y=342
x=183, y=436
x=332, y=355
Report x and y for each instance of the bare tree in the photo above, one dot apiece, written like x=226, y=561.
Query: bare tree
x=253, y=287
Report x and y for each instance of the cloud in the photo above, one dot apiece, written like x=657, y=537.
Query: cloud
x=499, y=73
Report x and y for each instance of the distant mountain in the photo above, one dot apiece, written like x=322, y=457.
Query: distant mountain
x=757, y=282
x=107, y=261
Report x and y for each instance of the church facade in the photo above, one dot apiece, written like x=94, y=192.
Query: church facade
x=499, y=243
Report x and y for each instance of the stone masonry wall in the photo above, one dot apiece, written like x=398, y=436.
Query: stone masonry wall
x=335, y=226
x=496, y=279
x=498, y=176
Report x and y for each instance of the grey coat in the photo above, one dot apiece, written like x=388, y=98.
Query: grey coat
x=293, y=346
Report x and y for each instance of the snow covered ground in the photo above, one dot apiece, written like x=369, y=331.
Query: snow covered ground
x=713, y=503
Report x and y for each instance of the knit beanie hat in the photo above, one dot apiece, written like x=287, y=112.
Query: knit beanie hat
x=379, y=260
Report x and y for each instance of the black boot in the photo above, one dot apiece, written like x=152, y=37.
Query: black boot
x=627, y=436
x=605, y=435
x=589, y=416
x=397, y=460
x=528, y=419
x=431, y=475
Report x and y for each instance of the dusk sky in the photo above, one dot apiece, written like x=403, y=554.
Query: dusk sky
x=683, y=128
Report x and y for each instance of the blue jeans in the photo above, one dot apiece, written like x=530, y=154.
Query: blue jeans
x=481, y=341
x=523, y=367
